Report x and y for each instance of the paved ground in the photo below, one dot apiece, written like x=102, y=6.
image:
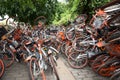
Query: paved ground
x=83, y=74
x=19, y=71
x=63, y=71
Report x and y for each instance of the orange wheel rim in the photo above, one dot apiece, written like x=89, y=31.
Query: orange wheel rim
x=105, y=72
x=2, y=67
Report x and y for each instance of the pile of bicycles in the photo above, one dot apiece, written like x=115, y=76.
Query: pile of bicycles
x=22, y=44
x=96, y=44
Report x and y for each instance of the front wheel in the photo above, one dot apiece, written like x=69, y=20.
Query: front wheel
x=70, y=33
x=77, y=60
x=100, y=60
x=2, y=68
x=35, y=72
x=109, y=67
x=8, y=58
x=53, y=65
x=81, y=43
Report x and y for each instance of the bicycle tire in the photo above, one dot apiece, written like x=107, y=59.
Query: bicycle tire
x=8, y=58
x=108, y=62
x=39, y=18
x=69, y=50
x=55, y=52
x=99, y=61
x=104, y=70
x=62, y=48
x=42, y=74
x=53, y=65
x=70, y=33
x=72, y=56
x=2, y=68
x=81, y=47
x=115, y=76
x=92, y=58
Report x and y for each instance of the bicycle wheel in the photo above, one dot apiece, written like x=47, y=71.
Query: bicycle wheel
x=53, y=65
x=2, y=68
x=92, y=56
x=77, y=60
x=80, y=44
x=62, y=47
x=55, y=52
x=100, y=60
x=8, y=58
x=108, y=67
x=70, y=33
x=69, y=50
x=35, y=72
x=116, y=75
x=39, y=18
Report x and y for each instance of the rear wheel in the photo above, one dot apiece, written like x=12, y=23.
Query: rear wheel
x=53, y=65
x=108, y=68
x=70, y=33
x=77, y=60
x=35, y=72
x=8, y=58
x=100, y=60
x=81, y=44
x=69, y=50
x=93, y=57
x=2, y=68
x=62, y=48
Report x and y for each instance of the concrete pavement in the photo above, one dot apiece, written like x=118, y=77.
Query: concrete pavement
x=19, y=71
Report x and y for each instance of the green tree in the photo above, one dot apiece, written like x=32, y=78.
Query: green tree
x=55, y=12
x=88, y=6
x=66, y=12
x=28, y=10
x=76, y=7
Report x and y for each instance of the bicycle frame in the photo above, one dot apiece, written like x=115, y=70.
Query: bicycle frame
x=2, y=67
x=39, y=55
x=90, y=42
